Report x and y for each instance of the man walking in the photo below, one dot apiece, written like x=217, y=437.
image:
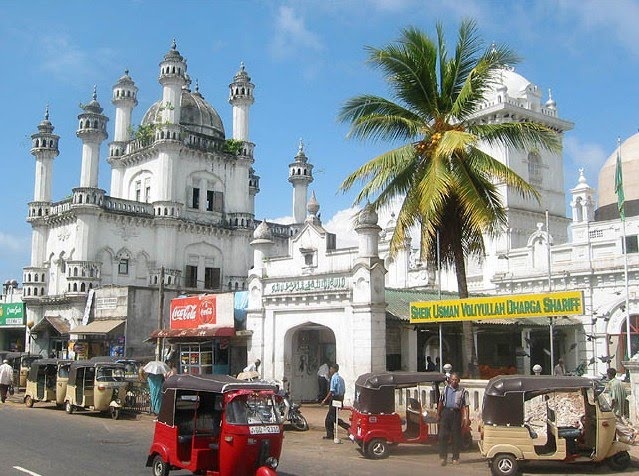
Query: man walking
x=452, y=414
x=6, y=379
x=618, y=394
x=336, y=392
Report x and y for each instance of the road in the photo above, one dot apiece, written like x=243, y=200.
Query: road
x=43, y=441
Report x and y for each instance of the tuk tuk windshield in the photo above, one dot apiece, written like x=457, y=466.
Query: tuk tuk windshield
x=110, y=374
x=252, y=409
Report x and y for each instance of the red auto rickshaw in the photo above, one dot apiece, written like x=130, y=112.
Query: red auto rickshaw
x=375, y=425
x=216, y=425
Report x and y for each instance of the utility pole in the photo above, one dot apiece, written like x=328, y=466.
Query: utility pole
x=158, y=344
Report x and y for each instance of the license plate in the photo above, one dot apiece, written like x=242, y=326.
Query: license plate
x=262, y=430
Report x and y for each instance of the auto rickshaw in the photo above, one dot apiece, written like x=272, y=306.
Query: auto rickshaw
x=216, y=425
x=375, y=425
x=544, y=418
x=21, y=363
x=99, y=386
x=47, y=381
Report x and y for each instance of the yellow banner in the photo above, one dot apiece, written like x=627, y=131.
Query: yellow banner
x=565, y=303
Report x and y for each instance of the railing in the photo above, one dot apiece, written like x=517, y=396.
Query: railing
x=137, y=398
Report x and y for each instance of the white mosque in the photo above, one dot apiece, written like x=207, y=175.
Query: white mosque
x=180, y=219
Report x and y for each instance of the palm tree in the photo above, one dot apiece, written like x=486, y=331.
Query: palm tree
x=446, y=183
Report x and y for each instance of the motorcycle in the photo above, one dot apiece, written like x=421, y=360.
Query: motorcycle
x=289, y=411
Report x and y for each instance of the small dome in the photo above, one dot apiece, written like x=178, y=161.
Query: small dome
x=125, y=80
x=607, y=209
x=367, y=216
x=313, y=205
x=262, y=232
x=196, y=115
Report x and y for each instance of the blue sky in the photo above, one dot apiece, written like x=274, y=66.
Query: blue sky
x=305, y=58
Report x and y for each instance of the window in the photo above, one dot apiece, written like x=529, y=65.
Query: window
x=214, y=201
x=138, y=191
x=123, y=266
x=212, y=278
x=209, y=200
x=632, y=244
x=147, y=190
x=195, y=203
x=190, y=277
x=534, y=168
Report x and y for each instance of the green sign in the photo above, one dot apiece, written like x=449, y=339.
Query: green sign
x=12, y=314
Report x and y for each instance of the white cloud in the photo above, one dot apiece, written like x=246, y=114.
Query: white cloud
x=589, y=157
x=65, y=60
x=342, y=225
x=13, y=243
x=292, y=35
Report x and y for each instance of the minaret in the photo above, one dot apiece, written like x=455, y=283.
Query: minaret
x=300, y=174
x=172, y=78
x=92, y=131
x=241, y=98
x=583, y=201
x=44, y=147
x=124, y=99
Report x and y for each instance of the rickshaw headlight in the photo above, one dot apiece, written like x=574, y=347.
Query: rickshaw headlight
x=271, y=462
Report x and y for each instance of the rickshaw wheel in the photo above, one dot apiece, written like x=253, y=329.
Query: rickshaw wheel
x=160, y=467
x=115, y=412
x=299, y=422
x=619, y=461
x=377, y=448
x=28, y=401
x=68, y=407
x=504, y=465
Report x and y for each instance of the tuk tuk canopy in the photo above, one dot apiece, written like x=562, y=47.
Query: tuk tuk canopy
x=213, y=383
x=39, y=364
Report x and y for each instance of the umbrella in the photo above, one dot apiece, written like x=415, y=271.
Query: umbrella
x=156, y=367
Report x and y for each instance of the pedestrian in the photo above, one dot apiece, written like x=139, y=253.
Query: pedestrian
x=618, y=394
x=254, y=367
x=155, y=382
x=560, y=368
x=6, y=379
x=430, y=365
x=322, y=381
x=452, y=415
x=336, y=391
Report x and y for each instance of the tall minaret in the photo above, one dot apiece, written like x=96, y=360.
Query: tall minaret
x=583, y=201
x=241, y=98
x=92, y=131
x=124, y=99
x=44, y=147
x=300, y=174
x=172, y=78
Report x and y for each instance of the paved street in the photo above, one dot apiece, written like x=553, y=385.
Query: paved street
x=47, y=442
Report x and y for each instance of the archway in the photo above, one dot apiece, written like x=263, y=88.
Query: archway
x=306, y=347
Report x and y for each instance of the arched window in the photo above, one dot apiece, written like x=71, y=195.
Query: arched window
x=534, y=168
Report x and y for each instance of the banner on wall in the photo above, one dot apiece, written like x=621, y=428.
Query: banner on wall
x=565, y=303
x=12, y=314
x=193, y=311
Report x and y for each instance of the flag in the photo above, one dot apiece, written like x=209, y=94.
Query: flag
x=619, y=186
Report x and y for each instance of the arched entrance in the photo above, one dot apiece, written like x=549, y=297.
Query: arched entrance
x=305, y=348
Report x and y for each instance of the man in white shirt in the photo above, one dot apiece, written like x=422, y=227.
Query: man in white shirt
x=6, y=379
x=254, y=367
x=322, y=381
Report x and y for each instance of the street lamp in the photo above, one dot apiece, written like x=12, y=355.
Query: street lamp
x=32, y=335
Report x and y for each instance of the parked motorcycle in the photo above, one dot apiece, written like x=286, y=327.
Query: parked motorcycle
x=289, y=411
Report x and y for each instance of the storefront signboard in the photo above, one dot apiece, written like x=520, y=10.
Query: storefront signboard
x=565, y=303
x=193, y=311
x=12, y=314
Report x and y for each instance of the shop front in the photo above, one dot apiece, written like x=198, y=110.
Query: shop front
x=12, y=327
x=201, y=334
x=97, y=338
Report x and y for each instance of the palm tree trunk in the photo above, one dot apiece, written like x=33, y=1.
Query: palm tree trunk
x=467, y=326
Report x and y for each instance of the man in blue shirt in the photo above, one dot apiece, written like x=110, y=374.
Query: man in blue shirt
x=452, y=414
x=336, y=391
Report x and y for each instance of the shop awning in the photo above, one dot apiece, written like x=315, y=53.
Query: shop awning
x=197, y=332
x=60, y=324
x=98, y=327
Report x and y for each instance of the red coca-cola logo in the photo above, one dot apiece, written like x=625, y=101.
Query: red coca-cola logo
x=207, y=312
x=184, y=313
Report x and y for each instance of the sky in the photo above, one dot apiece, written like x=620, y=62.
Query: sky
x=306, y=58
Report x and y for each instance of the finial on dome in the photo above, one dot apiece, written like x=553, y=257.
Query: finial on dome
x=582, y=178
x=197, y=85
x=241, y=65
x=550, y=104
x=126, y=71
x=95, y=92
x=300, y=148
x=173, y=44
x=46, y=113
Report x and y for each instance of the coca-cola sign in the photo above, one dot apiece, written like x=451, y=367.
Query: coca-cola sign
x=193, y=311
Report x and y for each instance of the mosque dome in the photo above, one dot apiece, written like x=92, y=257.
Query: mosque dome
x=196, y=115
x=262, y=232
x=607, y=209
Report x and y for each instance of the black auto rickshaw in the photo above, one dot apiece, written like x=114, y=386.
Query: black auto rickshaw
x=47, y=381
x=96, y=385
x=545, y=418
x=21, y=363
x=216, y=425
x=375, y=425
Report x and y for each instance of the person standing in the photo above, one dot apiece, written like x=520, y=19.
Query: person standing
x=452, y=415
x=560, y=368
x=155, y=382
x=322, y=381
x=6, y=379
x=254, y=367
x=430, y=365
x=336, y=392
x=618, y=394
